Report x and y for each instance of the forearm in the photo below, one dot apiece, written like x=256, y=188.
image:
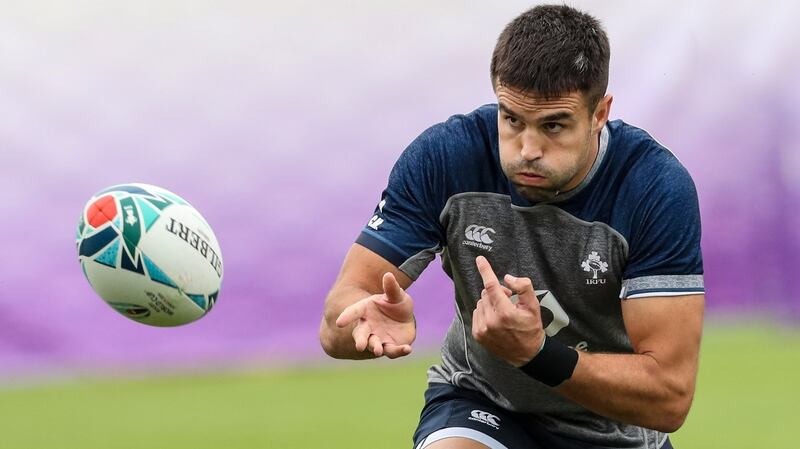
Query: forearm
x=337, y=341
x=633, y=388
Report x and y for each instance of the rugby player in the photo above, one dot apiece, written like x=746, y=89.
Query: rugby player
x=573, y=243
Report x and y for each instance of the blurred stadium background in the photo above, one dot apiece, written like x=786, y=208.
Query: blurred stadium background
x=280, y=122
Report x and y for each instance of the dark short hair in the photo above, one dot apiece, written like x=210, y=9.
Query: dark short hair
x=552, y=50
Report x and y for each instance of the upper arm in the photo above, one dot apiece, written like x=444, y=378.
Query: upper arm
x=663, y=290
x=664, y=257
x=405, y=229
x=362, y=268
x=668, y=329
x=405, y=232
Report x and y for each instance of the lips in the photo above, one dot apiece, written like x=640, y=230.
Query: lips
x=529, y=178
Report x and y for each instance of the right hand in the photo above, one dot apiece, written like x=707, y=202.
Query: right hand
x=384, y=322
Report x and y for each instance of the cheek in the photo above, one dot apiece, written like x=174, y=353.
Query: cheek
x=570, y=146
x=508, y=149
x=566, y=159
x=571, y=157
x=505, y=135
x=570, y=140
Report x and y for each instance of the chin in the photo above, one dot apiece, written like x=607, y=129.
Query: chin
x=535, y=194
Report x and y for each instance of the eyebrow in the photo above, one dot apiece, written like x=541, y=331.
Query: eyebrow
x=554, y=117
x=506, y=109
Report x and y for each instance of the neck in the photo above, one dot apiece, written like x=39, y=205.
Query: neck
x=594, y=150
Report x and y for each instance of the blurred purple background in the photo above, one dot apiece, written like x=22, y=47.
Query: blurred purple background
x=280, y=123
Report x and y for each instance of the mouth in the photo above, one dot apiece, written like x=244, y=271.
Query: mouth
x=530, y=178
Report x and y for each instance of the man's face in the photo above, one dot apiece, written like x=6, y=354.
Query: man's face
x=547, y=146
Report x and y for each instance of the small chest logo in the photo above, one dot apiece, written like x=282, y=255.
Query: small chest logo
x=479, y=236
x=485, y=417
x=594, y=264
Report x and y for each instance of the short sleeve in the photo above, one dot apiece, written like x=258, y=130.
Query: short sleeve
x=665, y=258
x=405, y=228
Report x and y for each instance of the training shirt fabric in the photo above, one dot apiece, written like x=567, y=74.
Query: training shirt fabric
x=629, y=231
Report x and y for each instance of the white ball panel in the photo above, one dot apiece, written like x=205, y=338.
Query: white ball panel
x=166, y=306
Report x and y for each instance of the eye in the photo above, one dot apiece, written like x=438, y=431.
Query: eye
x=553, y=127
x=513, y=121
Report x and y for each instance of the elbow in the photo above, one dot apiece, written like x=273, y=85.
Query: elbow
x=674, y=399
x=333, y=342
x=327, y=340
x=330, y=350
x=674, y=413
x=671, y=421
x=327, y=346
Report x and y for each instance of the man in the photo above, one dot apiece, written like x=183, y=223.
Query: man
x=574, y=247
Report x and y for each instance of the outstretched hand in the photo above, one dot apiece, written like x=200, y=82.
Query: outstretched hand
x=512, y=332
x=384, y=322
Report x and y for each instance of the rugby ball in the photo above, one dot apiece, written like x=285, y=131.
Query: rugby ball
x=149, y=254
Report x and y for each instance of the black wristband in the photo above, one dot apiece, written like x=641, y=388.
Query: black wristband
x=554, y=364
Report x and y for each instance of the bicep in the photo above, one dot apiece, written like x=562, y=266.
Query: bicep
x=668, y=329
x=363, y=269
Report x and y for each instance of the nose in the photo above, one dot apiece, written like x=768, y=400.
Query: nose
x=531, y=148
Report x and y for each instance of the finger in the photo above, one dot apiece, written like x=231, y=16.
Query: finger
x=506, y=290
x=478, y=319
x=524, y=289
x=485, y=269
x=375, y=345
x=394, y=351
x=361, y=334
x=394, y=292
x=490, y=313
x=352, y=313
x=480, y=307
x=490, y=282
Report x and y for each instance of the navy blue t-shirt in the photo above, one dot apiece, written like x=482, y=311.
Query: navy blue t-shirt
x=630, y=230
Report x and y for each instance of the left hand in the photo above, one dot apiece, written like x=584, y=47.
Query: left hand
x=512, y=332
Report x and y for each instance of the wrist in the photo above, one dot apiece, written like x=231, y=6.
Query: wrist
x=524, y=360
x=553, y=364
x=541, y=346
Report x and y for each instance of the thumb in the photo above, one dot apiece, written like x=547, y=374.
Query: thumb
x=394, y=293
x=524, y=289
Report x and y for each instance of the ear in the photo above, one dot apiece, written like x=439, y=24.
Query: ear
x=601, y=113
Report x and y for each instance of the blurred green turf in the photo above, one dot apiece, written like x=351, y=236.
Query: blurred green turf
x=747, y=398
x=747, y=392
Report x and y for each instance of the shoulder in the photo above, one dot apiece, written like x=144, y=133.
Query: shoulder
x=647, y=168
x=658, y=208
x=464, y=144
x=405, y=228
x=458, y=136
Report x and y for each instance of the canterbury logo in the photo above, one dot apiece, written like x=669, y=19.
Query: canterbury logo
x=485, y=417
x=479, y=234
